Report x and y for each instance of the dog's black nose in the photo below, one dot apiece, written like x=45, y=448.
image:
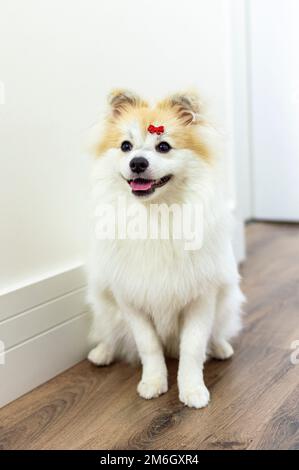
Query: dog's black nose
x=138, y=164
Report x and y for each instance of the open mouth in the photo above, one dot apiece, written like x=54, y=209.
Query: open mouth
x=144, y=187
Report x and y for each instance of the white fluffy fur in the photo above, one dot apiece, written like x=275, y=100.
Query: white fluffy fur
x=151, y=297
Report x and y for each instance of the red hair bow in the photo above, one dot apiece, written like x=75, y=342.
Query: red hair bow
x=155, y=130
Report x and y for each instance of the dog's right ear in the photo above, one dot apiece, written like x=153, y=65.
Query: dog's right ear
x=120, y=100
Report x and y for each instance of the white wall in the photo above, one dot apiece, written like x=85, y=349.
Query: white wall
x=58, y=60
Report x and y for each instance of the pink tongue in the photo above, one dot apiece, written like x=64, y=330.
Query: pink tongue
x=140, y=186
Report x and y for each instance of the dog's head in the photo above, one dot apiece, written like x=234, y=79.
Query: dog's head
x=153, y=148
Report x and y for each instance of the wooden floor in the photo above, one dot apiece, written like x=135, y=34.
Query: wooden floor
x=255, y=395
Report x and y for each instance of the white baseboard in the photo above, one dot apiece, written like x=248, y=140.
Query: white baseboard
x=23, y=298
x=43, y=331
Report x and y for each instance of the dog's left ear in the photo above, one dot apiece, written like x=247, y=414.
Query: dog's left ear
x=120, y=100
x=186, y=105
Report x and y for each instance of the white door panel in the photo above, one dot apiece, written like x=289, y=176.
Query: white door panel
x=274, y=37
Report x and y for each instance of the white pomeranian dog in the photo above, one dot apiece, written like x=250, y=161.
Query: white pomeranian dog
x=153, y=296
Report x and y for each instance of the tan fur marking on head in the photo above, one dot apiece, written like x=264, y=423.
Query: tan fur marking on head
x=174, y=117
x=111, y=138
x=185, y=108
x=190, y=139
x=121, y=102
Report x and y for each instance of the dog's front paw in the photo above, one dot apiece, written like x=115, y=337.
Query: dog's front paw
x=197, y=397
x=152, y=387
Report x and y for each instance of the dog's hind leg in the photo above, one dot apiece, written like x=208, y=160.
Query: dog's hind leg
x=101, y=355
x=104, y=322
x=110, y=335
x=227, y=322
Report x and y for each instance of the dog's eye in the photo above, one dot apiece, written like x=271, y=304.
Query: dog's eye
x=126, y=146
x=163, y=147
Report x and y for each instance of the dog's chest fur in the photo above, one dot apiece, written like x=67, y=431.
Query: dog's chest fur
x=155, y=275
